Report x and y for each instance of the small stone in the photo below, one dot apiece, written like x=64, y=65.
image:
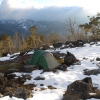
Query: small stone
x=39, y=78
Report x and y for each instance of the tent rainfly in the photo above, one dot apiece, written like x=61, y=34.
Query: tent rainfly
x=43, y=60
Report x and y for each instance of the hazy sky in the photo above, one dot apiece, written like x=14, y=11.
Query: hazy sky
x=48, y=9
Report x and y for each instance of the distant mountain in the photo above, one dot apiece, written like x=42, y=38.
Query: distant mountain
x=22, y=26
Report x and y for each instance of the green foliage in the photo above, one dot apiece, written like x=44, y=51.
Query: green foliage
x=53, y=38
x=5, y=43
x=3, y=36
x=34, y=39
x=93, y=26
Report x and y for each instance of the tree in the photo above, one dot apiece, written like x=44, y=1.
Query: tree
x=5, y=43
x=34, y=39
x=43, y=39
x=72, y=27
x=93, y=26
x=53, y=38
x=16, y=42
x=3, y=36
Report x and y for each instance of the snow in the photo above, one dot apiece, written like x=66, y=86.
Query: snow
x=8, y=98
x=61, y=79
x=9, y=57
x=92, y=93
x=31, y=52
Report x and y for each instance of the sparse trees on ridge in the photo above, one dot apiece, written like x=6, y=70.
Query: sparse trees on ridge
x=93, y=26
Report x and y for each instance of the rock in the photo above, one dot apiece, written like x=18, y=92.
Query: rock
x=71, y=44
x=93, y=42
x=22, y=53
x=19, y=93
x=29, y=68
x=30, y=86
x=97, y=59
x=62, y=67
x=46, y=70
x=87, y=80
x=78, y=43
x=23, y=78
x=43, y=89
x=51, y=87
x=58, y=55
x=92, y=72
x=67, y=42
x=26, y=76
x=11, y=76
x=45, y=47
x=20, y=80
x=57, y=45
x=70, y=97
x=41, y=84
x=80, y=89
x=39, y=78
x=70, y=59
x=9, y=71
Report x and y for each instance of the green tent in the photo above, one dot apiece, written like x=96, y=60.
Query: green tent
x=43, y=60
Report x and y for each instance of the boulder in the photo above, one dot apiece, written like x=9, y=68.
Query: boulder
x=70, y=59
x=97, y=59
x=78, y=43
x=92, y=72
x=81, y=89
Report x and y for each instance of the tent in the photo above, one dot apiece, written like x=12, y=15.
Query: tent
x=43, y=60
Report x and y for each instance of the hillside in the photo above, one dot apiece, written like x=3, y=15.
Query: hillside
x=52, y=84
x=22, y=26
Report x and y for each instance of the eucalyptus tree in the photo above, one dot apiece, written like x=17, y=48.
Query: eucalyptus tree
x=93, y=26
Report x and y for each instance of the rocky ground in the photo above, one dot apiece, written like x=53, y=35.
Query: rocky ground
x=13, y=85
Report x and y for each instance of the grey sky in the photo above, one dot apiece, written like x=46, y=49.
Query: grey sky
x=9, y=10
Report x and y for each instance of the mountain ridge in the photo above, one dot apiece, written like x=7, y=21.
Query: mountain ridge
x=22, y=26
